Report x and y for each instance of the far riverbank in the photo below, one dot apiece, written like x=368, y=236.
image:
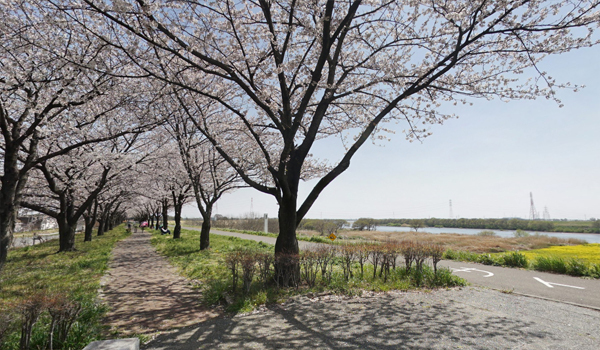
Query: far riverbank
x=588, y=237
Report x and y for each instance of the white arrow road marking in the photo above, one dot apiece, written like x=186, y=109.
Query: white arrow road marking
x=549, y=284
x=469, y=269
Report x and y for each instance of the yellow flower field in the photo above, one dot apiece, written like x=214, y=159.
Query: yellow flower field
x=587, y=252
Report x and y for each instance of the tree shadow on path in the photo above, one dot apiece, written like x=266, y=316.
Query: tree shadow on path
x=390, y=321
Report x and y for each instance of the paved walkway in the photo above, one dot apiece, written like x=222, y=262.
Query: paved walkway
x=467, y=318
x=145, y=293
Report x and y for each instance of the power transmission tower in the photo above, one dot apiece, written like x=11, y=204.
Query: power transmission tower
x=451, y=216
x=252, y=207
x=546, y=214
x=533, y=215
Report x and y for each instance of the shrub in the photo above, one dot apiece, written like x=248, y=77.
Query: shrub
x=436, y=252
x=348, y=256
x=461, y=255
x=488, y=259
x=520, y=233
x=362, y=254
x=232, y=259
x=421, y=254
x=576, y=267
x=550, y=264
x=487, y=233
x=319, y=239
x=310, y=269
x=265, y=263
x=248, y=262
x=594, y=270
x=443, y=277
x=515, y=259
x=407, y=249
x=7, y=322
x=376, y=257
x=324, y=256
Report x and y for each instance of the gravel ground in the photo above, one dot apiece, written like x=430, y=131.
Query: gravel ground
x=467, y=318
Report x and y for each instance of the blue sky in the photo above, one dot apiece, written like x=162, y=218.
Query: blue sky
x=487, y=161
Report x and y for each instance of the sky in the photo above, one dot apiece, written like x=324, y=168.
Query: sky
x=487, y=162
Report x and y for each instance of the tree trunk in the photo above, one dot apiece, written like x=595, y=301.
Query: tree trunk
x=106, y=224
x=8, y=200
x=89, y=227
x=205, y=232
x=101, y=225
x=90, y=220
x=111, y=222
x=7, y=225
x=66, y=234
x=165, y=213
x=287, y=267
x=177, y=230
x=286, y=240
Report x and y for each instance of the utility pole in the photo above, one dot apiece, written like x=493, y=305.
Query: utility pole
x=451, y=216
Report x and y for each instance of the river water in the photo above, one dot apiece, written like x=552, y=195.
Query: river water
x=589, y=237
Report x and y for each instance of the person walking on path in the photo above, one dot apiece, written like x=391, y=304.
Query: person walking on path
x=144, y=292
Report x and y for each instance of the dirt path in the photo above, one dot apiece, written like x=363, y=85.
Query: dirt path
x=145, y=293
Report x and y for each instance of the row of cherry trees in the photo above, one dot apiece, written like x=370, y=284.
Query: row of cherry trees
x=83, y=136
x=248, y=89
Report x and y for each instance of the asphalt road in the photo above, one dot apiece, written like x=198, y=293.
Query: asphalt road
x=566, y=289
x=574, y=290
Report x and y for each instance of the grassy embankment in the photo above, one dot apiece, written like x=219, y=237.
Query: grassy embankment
x=37, y=277
x=211, y=272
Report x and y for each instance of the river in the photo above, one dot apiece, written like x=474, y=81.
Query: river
x=588, y=237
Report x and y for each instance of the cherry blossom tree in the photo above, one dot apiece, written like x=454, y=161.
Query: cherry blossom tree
x=64, y=189
x=177, y=182
x=52, y=92
x=286, y=74
x=209, y=174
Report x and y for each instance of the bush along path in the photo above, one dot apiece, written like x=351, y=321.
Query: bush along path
x=240, y=273
x=49, y=300
x=145, y=293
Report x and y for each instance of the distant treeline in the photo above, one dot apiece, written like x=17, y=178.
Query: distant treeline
x=495, y=224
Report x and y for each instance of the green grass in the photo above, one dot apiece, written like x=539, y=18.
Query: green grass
x=210, y=272
x=40, y=269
